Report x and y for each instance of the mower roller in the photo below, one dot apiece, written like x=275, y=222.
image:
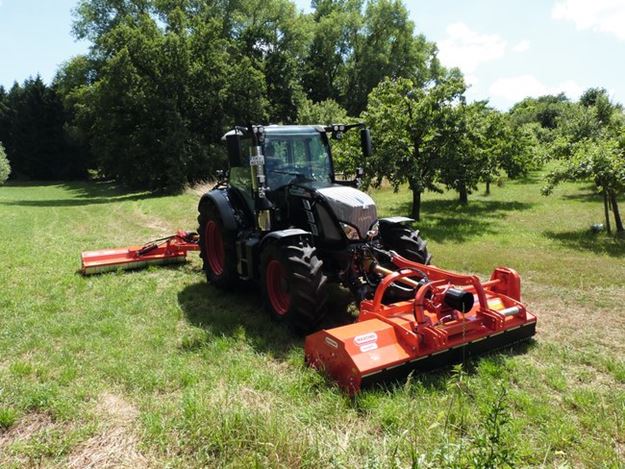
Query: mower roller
x=280, y=218
x=168, y=250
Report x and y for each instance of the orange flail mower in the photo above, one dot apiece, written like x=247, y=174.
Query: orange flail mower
x=450, y=317
x=169, y=250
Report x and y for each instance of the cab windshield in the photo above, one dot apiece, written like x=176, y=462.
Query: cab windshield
x=296, y=157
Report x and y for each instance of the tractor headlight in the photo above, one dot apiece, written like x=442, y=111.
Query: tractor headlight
x=350, y=231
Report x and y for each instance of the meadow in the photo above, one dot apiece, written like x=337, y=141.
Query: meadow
x=158, y=368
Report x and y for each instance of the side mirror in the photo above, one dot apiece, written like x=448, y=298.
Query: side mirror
x=365, y=142
x=235, y=154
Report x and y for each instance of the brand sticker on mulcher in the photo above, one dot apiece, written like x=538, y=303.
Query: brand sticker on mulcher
x=363, y=339
x=368, y=347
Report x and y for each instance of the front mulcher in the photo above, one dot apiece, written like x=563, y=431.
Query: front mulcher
x=449, y=317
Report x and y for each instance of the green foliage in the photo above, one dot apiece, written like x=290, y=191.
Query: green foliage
x=336, y=26
x=545, y=111
x=590, y=145
x=482, y=144
x=468, y=154
x=324, y=112
x=386, y=46
x=32, y=128
x=543, y=116
x=600, y=160
x=413, y=127
x=5, y=167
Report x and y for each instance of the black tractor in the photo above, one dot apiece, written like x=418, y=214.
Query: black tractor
x=279, y=217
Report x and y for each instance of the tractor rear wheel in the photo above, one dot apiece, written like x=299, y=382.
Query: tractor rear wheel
x=405, y=242
x=293, y=284
x=217, y=248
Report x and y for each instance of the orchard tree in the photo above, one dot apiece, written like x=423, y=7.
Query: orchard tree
x=5, y=167
x=603, y=161
x=467, y=157
x=513, y=150
x=324, y=112
x=590, y=145
x=482, y=143
x=413, y=128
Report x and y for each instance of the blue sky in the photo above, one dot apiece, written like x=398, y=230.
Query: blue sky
x=507, y=50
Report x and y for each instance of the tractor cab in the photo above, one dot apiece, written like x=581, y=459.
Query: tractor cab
x=297, y=154
x=284, y=172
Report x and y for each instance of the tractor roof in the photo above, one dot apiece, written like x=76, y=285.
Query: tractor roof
x=283, y=130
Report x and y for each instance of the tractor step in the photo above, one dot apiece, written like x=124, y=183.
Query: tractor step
x=169, y=250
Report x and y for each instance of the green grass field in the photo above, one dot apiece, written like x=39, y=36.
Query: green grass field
x=156, y=367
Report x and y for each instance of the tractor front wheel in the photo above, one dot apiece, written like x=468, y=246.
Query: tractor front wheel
x=293, y=284
x=405, y=242
x=217, y=248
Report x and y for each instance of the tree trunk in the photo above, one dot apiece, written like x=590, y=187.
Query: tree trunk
x=617, y=215
x=464, y=195
x=606, y=209
x=416, y=205
x=487, y=187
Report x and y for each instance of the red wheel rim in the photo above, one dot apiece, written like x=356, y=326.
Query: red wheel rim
x=214, y=248
x=277, y=287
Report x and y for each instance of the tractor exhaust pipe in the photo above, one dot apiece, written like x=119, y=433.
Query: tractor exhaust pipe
x=259, y=186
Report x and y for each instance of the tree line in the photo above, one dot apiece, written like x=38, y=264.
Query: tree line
x=163, y=80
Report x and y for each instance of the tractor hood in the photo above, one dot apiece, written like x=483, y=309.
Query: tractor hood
x=351, y=206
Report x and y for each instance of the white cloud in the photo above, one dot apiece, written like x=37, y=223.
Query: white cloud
x=519, y=87
x=607, y=16
x=467, y=49
x=521, y=46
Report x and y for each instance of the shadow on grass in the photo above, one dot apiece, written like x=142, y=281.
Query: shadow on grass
x=237, y=313
x=83, y=193
x=241, y=312
x=448, y=220
x=588, y=241
x=587, y=193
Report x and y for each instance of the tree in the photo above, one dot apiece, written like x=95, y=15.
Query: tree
x=542, y=115
x=480, y=145
x=31, y=126
x=274, y=35
x=324, y=112
x=590, y=145
x=513, y=150
x=5, y=167
x=386, y=46
x=413, y=127
x=601, y=160
x=336, y=24
x=467, y=156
